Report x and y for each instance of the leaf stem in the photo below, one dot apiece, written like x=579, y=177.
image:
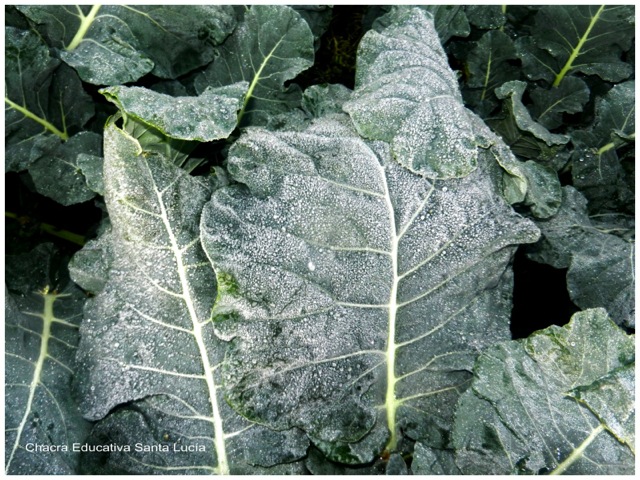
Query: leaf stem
x=85, y=24
x=64, y=136
x=577, y=48
x=48, y=318
x=577, y=453
x=255, y=80
x=53, y=230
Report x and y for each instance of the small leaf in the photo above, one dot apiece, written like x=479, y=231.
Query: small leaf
x=527, y=138
x=488, y=66
x=271, y=45
x=548, y=105
x=64, y=172
x=210, y=116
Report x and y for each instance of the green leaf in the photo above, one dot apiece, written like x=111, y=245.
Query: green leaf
x=328, y=235
x=525, y=137
x=210, y=116
x=449, y=21
x=488, y=67
x=600, y=263
x=271, y=45
x=65, y=172
x=519, y=416
x=41, y=337
x=612, y=398
x=615, y=116
x=531, y=183
x=407, y=95
x=321, y=100
x=588, y=39
x=548, y=105
x=45, y=102
x=116, y=44
x=596, y=169
x=487, y=16
x=431, y=461
x=148, y=333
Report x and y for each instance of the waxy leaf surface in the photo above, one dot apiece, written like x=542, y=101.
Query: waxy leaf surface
x=335, y=267
x=519, y=416
x=148, y=334
x=407, y=95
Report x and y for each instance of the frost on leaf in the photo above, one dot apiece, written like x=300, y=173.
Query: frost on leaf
x=407, y=95
x=148, y=333
x=520, y=415
x=355, y=293
x=41, y=337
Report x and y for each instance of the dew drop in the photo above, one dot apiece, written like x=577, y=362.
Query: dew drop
x=311, y=266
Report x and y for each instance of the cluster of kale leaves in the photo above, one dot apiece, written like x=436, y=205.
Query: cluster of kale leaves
x=555, y=82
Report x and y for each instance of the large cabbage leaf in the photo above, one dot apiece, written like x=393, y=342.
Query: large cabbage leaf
x=148, y=334
x=356, y=294
x=407, y=95
x=42, y=316
x=520, y=415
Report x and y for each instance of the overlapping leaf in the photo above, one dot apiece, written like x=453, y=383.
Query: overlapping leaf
x=41, y=337
x=336, y=265
x=116, y=44
x=148, y=333
x=272, y=45
x=407, y=95
x=518, y=416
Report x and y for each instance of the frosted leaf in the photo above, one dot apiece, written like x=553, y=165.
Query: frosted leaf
x=148, y=334
x=407, y=95
x=410, y=280
x=41, y=337
x=210, y=116
x=520, y=415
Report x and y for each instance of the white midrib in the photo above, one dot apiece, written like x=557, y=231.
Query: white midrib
x=390, y=397
x=219, y=439
x=47, y=321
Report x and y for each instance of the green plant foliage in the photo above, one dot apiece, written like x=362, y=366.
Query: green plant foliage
x=520, y=415
x=291, y=240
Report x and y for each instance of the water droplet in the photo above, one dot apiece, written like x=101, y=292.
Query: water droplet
x=311, y=266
